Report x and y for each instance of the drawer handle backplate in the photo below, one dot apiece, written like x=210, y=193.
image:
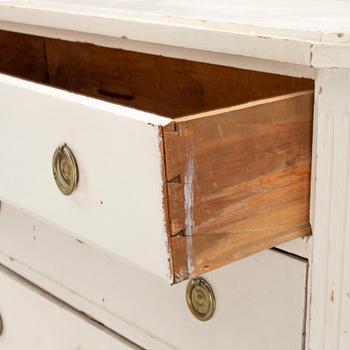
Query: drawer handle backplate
x=65, y=169
x=200, y=299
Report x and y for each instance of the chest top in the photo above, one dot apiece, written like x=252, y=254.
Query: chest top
x=313, y=34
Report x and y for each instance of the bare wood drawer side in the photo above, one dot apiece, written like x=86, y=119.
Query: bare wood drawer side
x=238, y=181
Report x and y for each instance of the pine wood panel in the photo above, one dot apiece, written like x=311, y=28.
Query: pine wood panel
x=23, y=55
x=166, y=86
x=239, y=181
x=162, y=85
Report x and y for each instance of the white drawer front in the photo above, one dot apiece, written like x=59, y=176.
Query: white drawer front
x=260, y=300
x=35, y=321
x=118, y=203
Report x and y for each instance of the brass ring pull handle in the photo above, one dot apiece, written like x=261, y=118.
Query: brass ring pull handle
x=65, y=169
x=1, y=327
x=200, y=299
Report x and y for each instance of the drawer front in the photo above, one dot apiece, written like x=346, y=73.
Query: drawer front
x=260, y=300
x=118, y=203
x=31, y=319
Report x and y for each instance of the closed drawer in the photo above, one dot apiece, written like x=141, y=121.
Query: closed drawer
x=32, y=319
x=260, y=300
x=203, y=164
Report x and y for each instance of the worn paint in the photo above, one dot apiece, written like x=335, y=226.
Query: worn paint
x=181, y=276
x=328, y=317
x=189, y=222
x=167, y=243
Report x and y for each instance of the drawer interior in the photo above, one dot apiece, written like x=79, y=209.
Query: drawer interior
x=166, y=86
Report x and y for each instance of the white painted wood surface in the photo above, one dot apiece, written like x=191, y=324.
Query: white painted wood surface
x=260, y=300
x=34, y=320
x=301, y=247
x=118, y=204
x=296, y=32
x=330, y=279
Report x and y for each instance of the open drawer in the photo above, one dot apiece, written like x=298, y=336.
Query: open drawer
x=203, y=164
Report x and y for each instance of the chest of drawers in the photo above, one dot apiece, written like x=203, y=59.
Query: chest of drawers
x=143, y=145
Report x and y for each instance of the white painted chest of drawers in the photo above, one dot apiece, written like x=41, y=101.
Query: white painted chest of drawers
x=202, y=134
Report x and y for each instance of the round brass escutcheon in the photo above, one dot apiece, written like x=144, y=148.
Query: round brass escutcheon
x=65, y=169
x=200, y=299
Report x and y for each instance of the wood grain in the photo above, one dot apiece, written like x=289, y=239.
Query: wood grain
x=166, y=86
x=23, y=56
x=162, y=85
x=243, y=178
